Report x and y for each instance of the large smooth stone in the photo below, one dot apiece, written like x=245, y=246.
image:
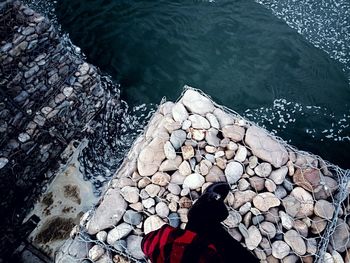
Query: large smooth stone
x=265, y=201
x=280, y=249
x=133, y=246
x=194, y=181
x=254, y=238
x=265, y=147
x=108, y=213
x=234, y=132
x=152, y=223
x=197, y=103
x=179, y=112
x=233, y=172
x=293, y=239
x=151, y=157
x=199, y=122
x=118, y=232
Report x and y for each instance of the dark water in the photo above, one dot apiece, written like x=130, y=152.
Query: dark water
x=236, y=51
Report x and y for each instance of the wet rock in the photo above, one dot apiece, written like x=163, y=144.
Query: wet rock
x=118, y=232
x=194, y=181
x=233, y=172
x=234, y=132
x=265, y=201
x=133, y=246
x=151, y=157
x=223, y=118
x=197, y=103
x=265, y=147
x=293, y=239
x=3, y=162
x=179, y=112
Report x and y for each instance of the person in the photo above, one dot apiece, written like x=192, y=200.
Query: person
x=204, y=239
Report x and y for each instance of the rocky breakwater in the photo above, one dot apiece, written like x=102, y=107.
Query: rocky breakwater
x=48, y=94
x=279, y=205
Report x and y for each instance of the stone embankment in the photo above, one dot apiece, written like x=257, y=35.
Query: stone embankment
x=281, y=206
x=48, y=94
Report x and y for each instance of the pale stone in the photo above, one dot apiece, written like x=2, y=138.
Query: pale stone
x=221, y=163
x=241, y=154
x=233, y=219
x=211, y=137
x=179, y=112
x=270, y=185
x=253, y=162
x=280, y=249
x=152, y=223
x=301, y=227
x=254, y=238
x=327, y=258
x=130, y=194
x=118, y=232
x=166, y=108
x=280, y=192
x=234, y=132
x=187, y=152
x=177, y=178
x=263, y=170
x=143, y=182
x=293, y=239
x=223, y=118
x=133, y=218
x=152, y=190
x=186, y=125
x=67, y=91
x=306, y=202
x=194, y=181
x=183, y=212
x=233, y=172
x=243, y=197
x=215, y=175
x=197, y=135
x=309, y=179
x=177, y=138
x=161, y=179
x=244, y=208
x=199, y=122
x=96, y=252
x=337, y=258
x=257, y=183
x=23, y=137
x=243, y=185
x=170, y=165
x=311, y=245
x=229, y=200
x=108, y=213
x=267, y=229
x=204, y=167
x=213, y=120
x=264, y=201
x=287, y=221
x=169, y=151
x=134, y=247
x=185, y=202
x=279, y=175
x=101, y=236
x=232, y=146
x=197, y=103
x=3, y=162
x=170, y=125
x=266, y=147
x=324, y=209
x=210, y=149
x=137, y=206
x=290, y=259
x=174, y=188
x=151, y=157
x=185, y=168
x=340, y=237
x=148, y=203
x=318, y=224
x=162, y=209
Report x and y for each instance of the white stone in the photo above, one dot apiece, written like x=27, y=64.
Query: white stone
x=233, y=219
x=214, y=123
x=234, y=132
x=263, y=170
x=96, y=252
x=287, y=220
x=133, y=246
x=101, y=236
x=177, y=138
x=254, y=238
x=3, y=162
x=169, y=151
x=280, y=249
x=23, y=137
x=179, y=112
x=161, y=179
x=266, y=147
x=185, y=168
x=194, y=181
x=199, y=122
x=293, y=239
x=162, y=209
x=152, y=223
x=118, y=232
x=170, y=165
x=279, y=175
x=67, y=91
x=152, y=190
x=197, y=103
x=241, y=154
x=130, y=194
x=186, y=125
x=223, y=118
x=148, y=203
x=306, y=202
x=211, y=137
x=233, y=172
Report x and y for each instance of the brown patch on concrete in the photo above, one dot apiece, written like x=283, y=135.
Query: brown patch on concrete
x=67, y=210
x=47, y=199
x=72, y=192
x=56, y=228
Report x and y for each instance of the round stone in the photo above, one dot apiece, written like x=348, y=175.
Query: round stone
x=199, y=122
x=268, y=229
x=132, y=217
x=162, y=209
x=263, y=170
x=265, y=201
x=280, y=249
x=233, y=172
x=152, y=223
x=130, y=194
x=161, y=179
x=279, y=175
x=293, y=239
x=194, y=181
x=254, y=238
x=324, y=209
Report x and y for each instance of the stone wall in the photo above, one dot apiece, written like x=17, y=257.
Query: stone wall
x=48, y=94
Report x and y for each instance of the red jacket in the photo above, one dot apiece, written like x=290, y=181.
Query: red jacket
x=172, y=245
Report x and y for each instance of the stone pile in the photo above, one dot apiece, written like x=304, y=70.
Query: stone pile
x=279, y=206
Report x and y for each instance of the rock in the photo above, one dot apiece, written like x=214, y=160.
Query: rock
x=204, y=167
x=134, y=246
x=120, y=245
x=130, y=194
x=306, y=202
x=185, y=168
x=233, y=219
x=199, y=122
x=287, y=221
x=268, y=229
x=67, y=91
x=253, y=162
x=327, y=258
x=143, y=182
x=280, y=249
x=243, y=197
x=23, y=137
x=241, y=154
x=337, y=258
x=101, y=236
x=308, y=178
x=290, y=259
x=215, y=175
x=152, y=223
x=131, y=217
x=243, y=185
x=234, y=132
x=187, y=152
x=293, y=239
x=318, y=224
x=311, y=245
x=234, y=232
x=177, y=178
x=197, y=135
x=96, y=252
x=162, y=209
x=161, y=179
x=263, y=170
x=214, y=123
x=327, y=188
x=179, y=112
x=169, y=151
x=152, y=190
x=280, y=192
x=254, y=238
x=174, y=188
x=151, y=157
x=264, y=201
x=119, y=232
x=170, y=165
x=137, y=206
x=211, y=137
x=340, y=236
x=194, y=181
x=270, y=185
x=3, y=162
x=183, y=212
x=223, y=118
x=257, y=219
x=108, y=213
x=301, y=227
x=257, y=183
x=324, y=209
x=279, y=175
x=185, y=202
x=244, y=208
x=177, y=138
x=174, y=220
x=233, y=172
x=148, y=203
x=197, y=103
x=266, y=147
x=291, y=205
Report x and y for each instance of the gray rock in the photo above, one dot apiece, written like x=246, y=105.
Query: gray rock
x=151, y=157
x=174, y=220
x=120, y=245
x=177, y=138
x=130, y=194
x=132, y=217
x=134, y=246
x=263, y=170
x=214, y=123
x=96, y=252
x=3, y=162
x=118, y=232
x=197, y=103
x=211, y=137
x=234, y=132
x=199, y=122
x=279, y=175
x=233, y=172
x=179, y=112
